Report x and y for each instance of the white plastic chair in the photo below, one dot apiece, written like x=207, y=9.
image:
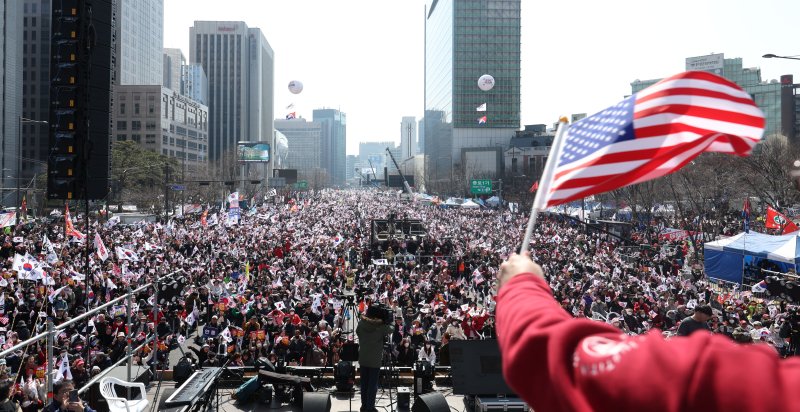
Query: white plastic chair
x=119, y=404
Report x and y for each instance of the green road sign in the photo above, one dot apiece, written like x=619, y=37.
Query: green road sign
x=302, y=184
x=480, y=186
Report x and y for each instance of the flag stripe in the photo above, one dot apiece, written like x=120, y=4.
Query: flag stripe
x=697, y=93
x=719, y=126
x=609, y=163
x=702, y=112
x=631, y=175
x=689, y=83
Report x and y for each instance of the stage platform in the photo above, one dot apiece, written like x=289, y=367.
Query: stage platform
x=338, y=403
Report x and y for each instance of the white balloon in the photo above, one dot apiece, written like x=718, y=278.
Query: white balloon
x=486, y=82
x=295, y=86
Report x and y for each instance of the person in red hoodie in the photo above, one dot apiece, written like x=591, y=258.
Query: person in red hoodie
x=557, y=363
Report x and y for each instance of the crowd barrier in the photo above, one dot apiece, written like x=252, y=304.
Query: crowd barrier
x=53, y=331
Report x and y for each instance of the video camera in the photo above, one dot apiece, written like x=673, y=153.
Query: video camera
x=382, y=312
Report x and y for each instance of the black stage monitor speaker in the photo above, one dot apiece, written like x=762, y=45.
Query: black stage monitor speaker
x=431, y=402
x=476, y=366
x=316, y=402
x=349, y=352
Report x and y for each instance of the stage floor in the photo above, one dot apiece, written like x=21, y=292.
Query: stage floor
x=338, y=404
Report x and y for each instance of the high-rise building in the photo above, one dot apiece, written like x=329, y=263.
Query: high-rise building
x=304, y=138
x=408, y=138
x=350, y=165
x=767, y=94
x=163, y=121
x=174, y=60
x=35, y=86
x=141, y=42
x=239, y=63
x=334, y=143
x=195, y=83
x=421, y=136
x=463, y=41
x=11, y=93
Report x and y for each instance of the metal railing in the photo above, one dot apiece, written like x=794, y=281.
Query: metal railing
x=52, y=332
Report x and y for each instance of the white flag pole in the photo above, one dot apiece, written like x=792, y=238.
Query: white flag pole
x=542, y=194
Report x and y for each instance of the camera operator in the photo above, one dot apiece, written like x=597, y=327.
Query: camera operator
x=371, y=331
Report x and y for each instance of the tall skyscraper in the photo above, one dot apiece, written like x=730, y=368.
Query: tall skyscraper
x=11, y=94
x=408, y=138
x=141, y=42
x=195, y=83
x=187, y=79
x=240, y=66
x=35, y=86
x=174, y=60
x=463, y=41
x=334, y=143
x=421, y=136
x=304, y=139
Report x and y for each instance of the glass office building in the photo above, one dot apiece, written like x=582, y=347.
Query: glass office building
x=465, y=39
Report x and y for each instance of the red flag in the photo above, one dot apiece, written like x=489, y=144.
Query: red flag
x=24, y=207
x=650, y=134
x=535, y=186
x=776, y=220
x=69, y=229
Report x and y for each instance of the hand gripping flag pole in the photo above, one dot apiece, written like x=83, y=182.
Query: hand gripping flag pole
x=539, y=201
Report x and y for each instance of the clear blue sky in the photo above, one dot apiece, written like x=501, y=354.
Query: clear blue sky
x=365, y=57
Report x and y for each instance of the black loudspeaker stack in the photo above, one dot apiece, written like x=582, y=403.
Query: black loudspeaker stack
x=431, y=402
x=316, y=402
x=82, y=74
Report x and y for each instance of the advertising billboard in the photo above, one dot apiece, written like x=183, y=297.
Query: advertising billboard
x=253, y=152
x=712, y=63
x=290, y=175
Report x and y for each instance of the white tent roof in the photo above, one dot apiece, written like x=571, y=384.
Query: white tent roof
x=469, y=204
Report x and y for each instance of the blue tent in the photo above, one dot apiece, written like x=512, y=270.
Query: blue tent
x=725, y=258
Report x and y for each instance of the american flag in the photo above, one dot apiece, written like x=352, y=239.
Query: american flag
x=651, y=134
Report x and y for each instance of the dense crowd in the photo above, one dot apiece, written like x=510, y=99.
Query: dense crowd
x=287, y=281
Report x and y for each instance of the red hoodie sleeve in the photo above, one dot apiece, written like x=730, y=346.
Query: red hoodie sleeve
x=557, y=363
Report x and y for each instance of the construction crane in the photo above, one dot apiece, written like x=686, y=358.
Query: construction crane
x=405, y=182
x=375, y=174
x=366, y=178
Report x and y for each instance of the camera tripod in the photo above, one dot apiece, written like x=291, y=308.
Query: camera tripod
x=393, y=376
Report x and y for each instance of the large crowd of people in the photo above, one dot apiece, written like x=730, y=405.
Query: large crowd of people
x=288, y=280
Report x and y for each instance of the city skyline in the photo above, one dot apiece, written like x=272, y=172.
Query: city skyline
x=375, y=75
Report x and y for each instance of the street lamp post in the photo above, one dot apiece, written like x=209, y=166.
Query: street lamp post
x=19, y=156
x=774, y=56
